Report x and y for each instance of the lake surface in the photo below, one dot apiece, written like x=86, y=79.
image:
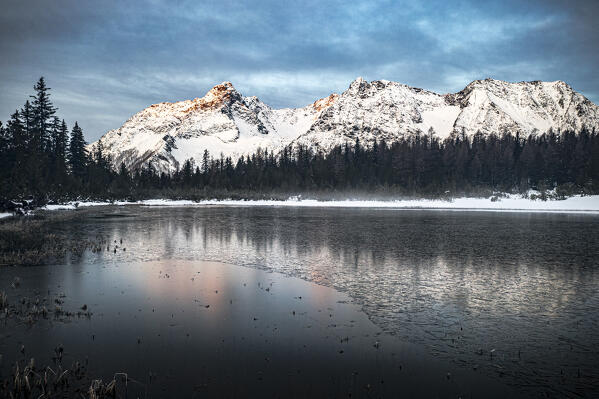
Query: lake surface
x=500, y=298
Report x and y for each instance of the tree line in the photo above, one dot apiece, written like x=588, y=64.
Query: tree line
x=40, y=157
x=418, y=165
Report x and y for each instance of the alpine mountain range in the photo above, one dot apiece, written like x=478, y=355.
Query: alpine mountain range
x=224, y=122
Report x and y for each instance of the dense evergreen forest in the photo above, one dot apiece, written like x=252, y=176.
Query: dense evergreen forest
x=40, y=158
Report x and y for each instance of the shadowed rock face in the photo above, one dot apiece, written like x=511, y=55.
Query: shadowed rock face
x=224, y=121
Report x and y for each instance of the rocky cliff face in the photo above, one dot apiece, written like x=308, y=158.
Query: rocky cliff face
x=224, y=121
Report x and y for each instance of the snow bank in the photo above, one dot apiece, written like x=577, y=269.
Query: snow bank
x=162, y=202
x=74, y=205
x=576, y=204
x=152, y=202
x=512, y=203
x=5, y=215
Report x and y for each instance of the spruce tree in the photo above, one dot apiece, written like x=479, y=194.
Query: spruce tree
x=77, y=152
x=5, y=144
x=5, y=164
x=26, y=115
x=62, y=142
x=99, y=154
x=54, y=131
x=122, y=183
x=15, y=133
x=43, y=111
x=60, y=138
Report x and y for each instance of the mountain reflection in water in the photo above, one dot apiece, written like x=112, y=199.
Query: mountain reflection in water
x=459, y=283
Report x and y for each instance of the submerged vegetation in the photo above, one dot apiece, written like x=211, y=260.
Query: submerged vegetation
x=31, y=310
x=41, y=161
x=28, y=380
x=27, y=242
x=38, y=239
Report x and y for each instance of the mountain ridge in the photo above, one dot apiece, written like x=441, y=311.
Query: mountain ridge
x=224, y=121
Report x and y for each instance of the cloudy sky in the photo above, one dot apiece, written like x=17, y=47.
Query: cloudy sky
x=106, y=60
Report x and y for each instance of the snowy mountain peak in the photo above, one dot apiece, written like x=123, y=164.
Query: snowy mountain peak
x=219, y=95
x=358, y=85
x=325, y=102
x=224, y=121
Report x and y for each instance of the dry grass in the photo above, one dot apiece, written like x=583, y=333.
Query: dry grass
x=29, y=381
x=31, y=240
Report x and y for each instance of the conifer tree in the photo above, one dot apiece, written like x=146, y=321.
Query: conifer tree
x=77, y=152
x=60, y=136
x=43, y=111
x=54, y=131
x=15, y=132
x=62, y=142
x=5, y=150
x=26, y=115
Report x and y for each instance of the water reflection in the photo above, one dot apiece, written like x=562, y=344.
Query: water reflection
x=461, y=284
x=207, y=329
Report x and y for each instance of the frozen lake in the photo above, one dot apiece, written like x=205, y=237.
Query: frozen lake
x=493, y=298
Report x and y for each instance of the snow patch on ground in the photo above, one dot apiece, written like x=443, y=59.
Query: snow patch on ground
x=5, y=215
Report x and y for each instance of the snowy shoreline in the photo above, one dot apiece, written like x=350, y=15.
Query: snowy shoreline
x=511, y=203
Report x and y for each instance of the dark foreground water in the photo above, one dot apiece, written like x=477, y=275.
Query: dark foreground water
x=505, y=302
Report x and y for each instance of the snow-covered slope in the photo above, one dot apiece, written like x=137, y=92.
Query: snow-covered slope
x=224, y=121
x=382, y=110
x=531, y=107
